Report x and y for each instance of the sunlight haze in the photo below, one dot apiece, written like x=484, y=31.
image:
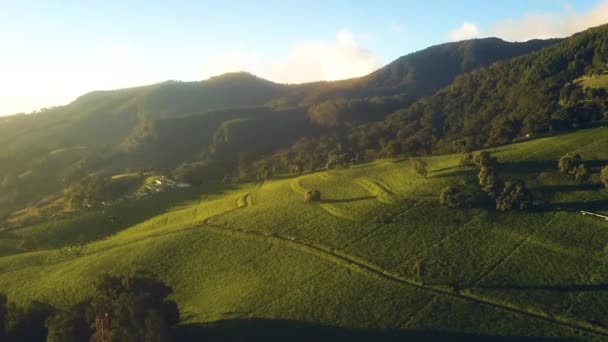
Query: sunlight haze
x=67, y=49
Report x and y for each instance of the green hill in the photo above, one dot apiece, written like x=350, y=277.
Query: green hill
x=259, y=252
x=170, y=123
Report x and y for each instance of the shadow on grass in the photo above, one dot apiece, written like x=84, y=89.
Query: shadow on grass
x=568, y=188
x=348, y=200
x=521, y=167
x=447, y=168
x=592, y=206
x=536, y=166
x=528, y=166
x=111, y=219
x=457, y=173
x=556, y=288
x=296, y=331
x=597, y=205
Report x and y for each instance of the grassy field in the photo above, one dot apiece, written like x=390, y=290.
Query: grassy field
x=257, y=251
x=600, y=81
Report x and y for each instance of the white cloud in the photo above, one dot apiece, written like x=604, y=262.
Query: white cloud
x=538, y=25
x=551, y=25
x=466, y=31
x=308, y=61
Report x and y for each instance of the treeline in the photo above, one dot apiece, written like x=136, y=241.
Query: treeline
x=131, y=307
x=95, y=189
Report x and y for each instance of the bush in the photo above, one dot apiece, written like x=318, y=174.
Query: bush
x=581, y=174
x=489, y=181
x=312, y=196
x=484, y=159
x=467, y=159
x=453, y=197
x=516, y=196
x=604, y=176
x=420, y=166
x=569, y=162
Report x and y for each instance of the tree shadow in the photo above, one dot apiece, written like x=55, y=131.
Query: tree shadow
x=348, y=200
x=296, y=331
x=446, y=168
x=529, y=166
x=536, y=166
x=568, y=188
x=591, y=206
x=119, y=216
x=458, y=173
x=596, y=164
x=597, y=205
x=556, y=288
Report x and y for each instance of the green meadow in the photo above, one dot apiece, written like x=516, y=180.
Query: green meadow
x=258, y=251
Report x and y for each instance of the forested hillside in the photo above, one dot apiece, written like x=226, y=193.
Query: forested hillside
x=537, y=93
x=204, y=129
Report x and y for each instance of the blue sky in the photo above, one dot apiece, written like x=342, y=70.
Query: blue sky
x=54, y=51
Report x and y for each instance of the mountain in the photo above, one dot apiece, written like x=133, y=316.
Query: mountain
x=166, y=124
x=557, y=88
x=528, y=95
x=424, y=72
x=419, y=73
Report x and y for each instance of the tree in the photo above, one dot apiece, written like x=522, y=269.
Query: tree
x=467, y=159
x=489, y=182
x=581, y=173
x=569, y=162
x=516, y=196
x=391, y=149
x=132, y=307
x=71, y=325
x=460, y=146
x=28, y=324
x=137, y=307
x=312, y=196
x=453, y=197
x=484, y=159
x=420, y=166
x=604, y=176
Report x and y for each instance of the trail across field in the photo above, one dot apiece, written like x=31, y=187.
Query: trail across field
x=342, y=259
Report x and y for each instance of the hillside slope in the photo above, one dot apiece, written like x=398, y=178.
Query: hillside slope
x=260, y=252
x=166, y=124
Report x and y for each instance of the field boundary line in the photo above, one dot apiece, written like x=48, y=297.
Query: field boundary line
x=418, y=312
x=513, y=251
x=343, y=259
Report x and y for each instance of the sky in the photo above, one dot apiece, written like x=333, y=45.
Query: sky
x=53, y=51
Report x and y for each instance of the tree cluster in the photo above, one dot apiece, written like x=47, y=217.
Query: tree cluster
x=127, y=308
x=454, y=197
x=572, y=165
x=506, y=196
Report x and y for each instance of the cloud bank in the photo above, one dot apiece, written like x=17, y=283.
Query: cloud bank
x=466, y=31
x=538, y=25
